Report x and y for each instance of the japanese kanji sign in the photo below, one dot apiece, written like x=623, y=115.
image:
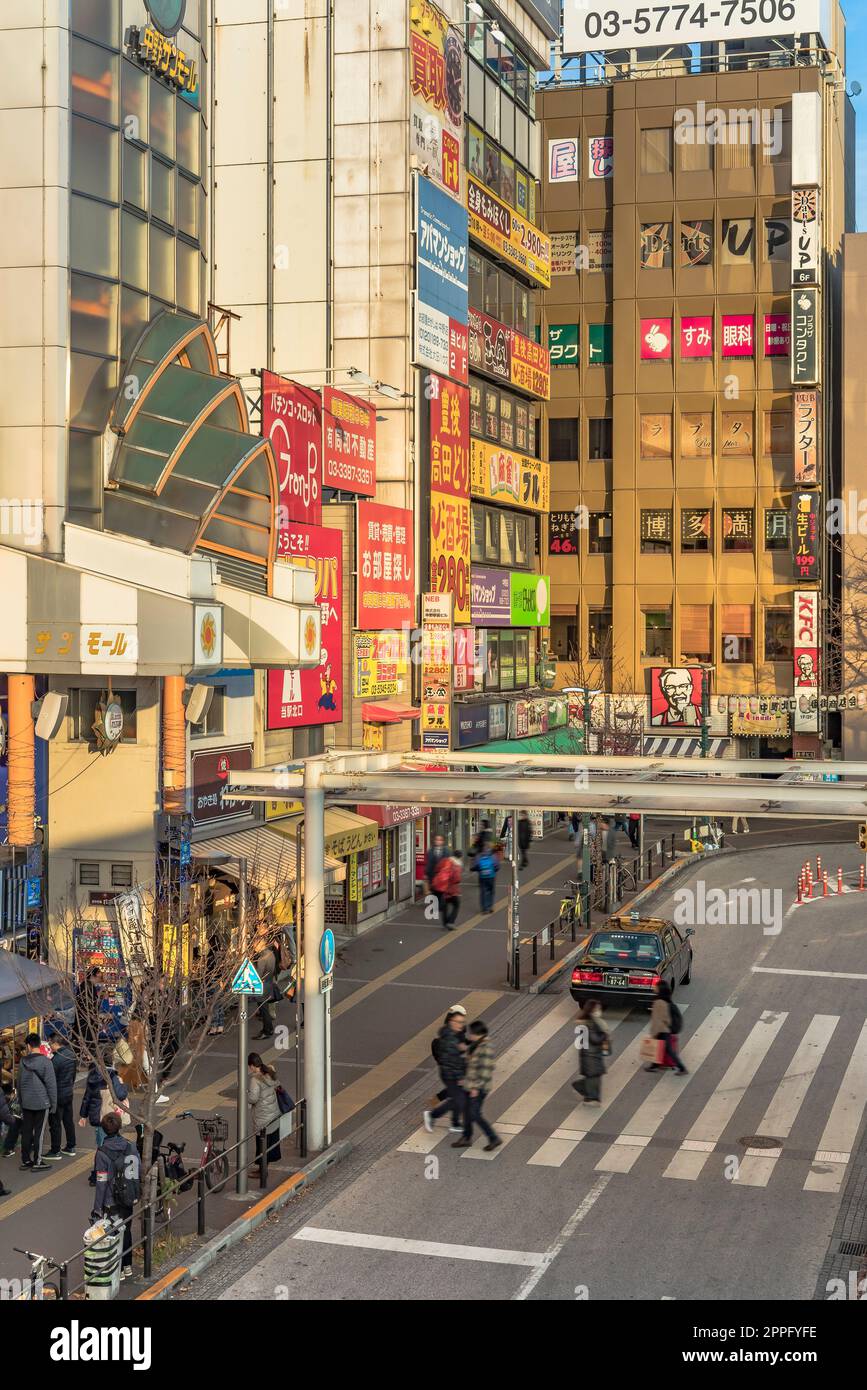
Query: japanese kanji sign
x=314, y=695
x=805, y=337
x=563, y=344
x=600, y=157
x=450, y=494
x=436, y=95
x=504, y=475
x=349, y=443
x=442, y=278
x=563, y=161
x=805, y=534
x=777, y=335
x=738, y=335
x=562, y=533
x=507, y=233
x=806, y=422
x=696, y=336
x=292, y=420
x=386, y=574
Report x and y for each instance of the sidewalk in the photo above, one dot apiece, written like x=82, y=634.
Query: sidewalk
x=392, y=988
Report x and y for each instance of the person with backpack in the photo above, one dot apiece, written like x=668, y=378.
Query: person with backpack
x=262, y=1087
x=666, y=1020
x=118, y=1183
x=94, y=1104
x=446, y=884
x=448, y=1050
x=37, y=1092
x=486, y=866
x=483, y=840
x=476, y=1083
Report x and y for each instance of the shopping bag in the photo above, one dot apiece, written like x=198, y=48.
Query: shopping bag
x=652, y=1050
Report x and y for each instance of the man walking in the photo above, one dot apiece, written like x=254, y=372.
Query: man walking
x=476, y=1082
x=118, y=1183
x=37, y=1091
x=449, y=1054
x=266, y=966
x=486, y=867
x=634, y=828
x=447, y=887
x=525, y=835
x=435, y=855
x=63, y=1062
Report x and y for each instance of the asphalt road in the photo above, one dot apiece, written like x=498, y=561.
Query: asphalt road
x=664, y=1191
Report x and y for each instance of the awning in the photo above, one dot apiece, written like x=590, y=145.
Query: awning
x=685, y=747
x=557, y=741
x=387, y=712
x=28, y=989
x=345, y=832
x=270, y=855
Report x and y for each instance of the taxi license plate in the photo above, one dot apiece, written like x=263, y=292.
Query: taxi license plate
x=615, y=981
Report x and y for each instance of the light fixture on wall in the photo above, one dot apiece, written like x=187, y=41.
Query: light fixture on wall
x=497, y=33
x=475, y=9
x=49, y=713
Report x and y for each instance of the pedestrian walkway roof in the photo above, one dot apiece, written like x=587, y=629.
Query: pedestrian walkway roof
x=27, y=989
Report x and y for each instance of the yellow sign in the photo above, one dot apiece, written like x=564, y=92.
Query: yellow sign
x=354, y=841
x=506, y=232
x=450, y=550
x=275, y=810
x=373, y=738
x=504, y=475
x=353, y=878
x=153, y=50
x=380, y=664
x=770, y=724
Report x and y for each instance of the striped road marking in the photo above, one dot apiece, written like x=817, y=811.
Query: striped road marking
x=844, y=1122
x=439, y=1249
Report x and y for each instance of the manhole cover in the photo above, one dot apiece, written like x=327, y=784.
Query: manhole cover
x=761, y=1141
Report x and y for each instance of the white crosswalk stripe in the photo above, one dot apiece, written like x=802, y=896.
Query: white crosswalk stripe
x=844, y=1122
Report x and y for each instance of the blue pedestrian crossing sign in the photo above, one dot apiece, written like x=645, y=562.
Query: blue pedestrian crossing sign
x=326, y=951
x=247, y=980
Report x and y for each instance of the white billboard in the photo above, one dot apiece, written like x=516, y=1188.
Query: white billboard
x=592, y=26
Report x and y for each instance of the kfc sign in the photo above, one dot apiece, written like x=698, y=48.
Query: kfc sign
x=806, y=660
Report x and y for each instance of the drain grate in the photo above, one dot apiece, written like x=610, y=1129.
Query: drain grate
x=761, y=1141
x=853, y=1247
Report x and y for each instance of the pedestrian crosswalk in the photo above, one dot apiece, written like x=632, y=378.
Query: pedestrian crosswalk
x=799, y=1081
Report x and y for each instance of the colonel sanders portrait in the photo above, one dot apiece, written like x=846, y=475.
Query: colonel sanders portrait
x=682, y=701
x=807, y=674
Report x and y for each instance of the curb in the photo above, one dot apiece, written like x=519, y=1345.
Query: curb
x=246, y=1224
x=540, y=985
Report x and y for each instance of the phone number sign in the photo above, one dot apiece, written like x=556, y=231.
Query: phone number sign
x=595, y=28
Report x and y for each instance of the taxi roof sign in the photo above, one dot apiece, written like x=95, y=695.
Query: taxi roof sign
x=247, y=980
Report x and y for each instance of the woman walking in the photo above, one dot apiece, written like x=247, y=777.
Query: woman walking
x=262, y=1094
x=661, y=1029
x=594, y=1046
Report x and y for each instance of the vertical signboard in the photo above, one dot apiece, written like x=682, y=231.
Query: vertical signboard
x=348, y=443
x=292, y=420
x=806, y=246
x=806, y=660
x=436, y=672
x=805, y=535
x=386, y=572
x=805, y=337
x=442, y=281
x=806, y=409
x=315, y=695
x=450, y=493
x=436, y=62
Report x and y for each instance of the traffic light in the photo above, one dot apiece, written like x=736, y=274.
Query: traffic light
x=862, y=834
x=546, y=668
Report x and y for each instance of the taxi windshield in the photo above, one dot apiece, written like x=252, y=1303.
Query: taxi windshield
x=626, y=948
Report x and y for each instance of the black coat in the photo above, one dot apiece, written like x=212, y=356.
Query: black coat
x=92, y=1104
x=525, y=833
x=591, y=1061
x=64, y=1065
x=6, y=1116
x=451, y=1058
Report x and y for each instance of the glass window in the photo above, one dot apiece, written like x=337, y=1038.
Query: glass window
x=492, y=166
x=121, y=875
x=655, y=246
x=599, y=533
x=523, y=310
x=737, y=528
x=522, y=78
x=188, y=204
x=655, y=531
x=475, y=151
x=599, y=634
x=601, y=431
x=492, y=109
x=476, y=280
x=477, y=533
x=507, y=661
x=656, y=151
x=655, y=436
x=507, y=179
x=778, y=634
x=507, y=123
x=777, y=136
x=93, y=236
x=492, y=290
x=779, y=434
x=135, y=185
x=523, y=555
x=737, y=632
x=695, y=157
x=507, y=299
x=476, y=39
x=507, y=420
x=492, y=52
x=492, y=413
x=93, y=81
x=93, y=315
x=214, y=721
x=777, y=528
x=737, y=433
x=738, y=238
x=188, y=135
x=84, y=485
x=82, y=712
x=88, y=873
x=523, y=440
x=736, y=151
x=93, y=152
x=695, y=632
x=162, y=264
x=97, y=20
x=92, y=388
x=133, y=317
x=188, y=277
x=162, y=120
x=507, y=66
x=162, y=191
x=562, y=440
x=134, y=94
x=134, y=251
x=695, y=529
x=476, y=95
x=522, y=139
x=657, y=633
x=696, y=435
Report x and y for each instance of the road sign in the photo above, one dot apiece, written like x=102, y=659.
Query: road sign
x=326, y=982
x=326, y=951
x=247, y=980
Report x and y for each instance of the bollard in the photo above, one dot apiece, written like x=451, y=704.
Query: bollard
x=799, y=898
x=819, y=867
x=200, y=1202
x=839, y=879
x=825, y=884
x=861, y=879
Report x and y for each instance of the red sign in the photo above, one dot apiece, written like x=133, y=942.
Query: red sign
x=349, y=443
x=388, y=816
x=655, y=340
x=210, y=777
x=386, y=570
x=738, y=335
x=675, y=697
x=292, y=420
x=450, y=493
x=314, y=696
x=778, y=335
x=696, y=336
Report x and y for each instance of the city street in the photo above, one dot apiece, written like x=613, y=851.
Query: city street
x=652, y=1195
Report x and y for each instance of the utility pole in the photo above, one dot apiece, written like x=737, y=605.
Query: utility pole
x=243, y=1038
x=513, y=951
x=317, y=1080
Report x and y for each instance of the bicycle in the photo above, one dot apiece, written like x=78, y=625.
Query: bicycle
x=36, y=1289
x=570, y=907
x=213, y=1131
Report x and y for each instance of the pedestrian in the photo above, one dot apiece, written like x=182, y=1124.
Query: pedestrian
x=609, y=841
x=740, y=820
x=87, y=1010
x=594, y=1047
x=10, y=1116
x=435, y=854
x=574, y=825
x=103, y=1092
x=476, y=1083
x=486, y=866
x=446, y=884
x=266, y=968
x=262, y=1086
x=484, y=838
x=665, y=1021
x=63, y=1061
x=635, y=829
x=118, y=1183
x=449, y=1049
x=525, y=835
x=37, y=1091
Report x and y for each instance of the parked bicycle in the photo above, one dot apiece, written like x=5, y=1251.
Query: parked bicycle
x=570, y=903
x=37, y=1288
x=171, y=1174
x=213, y=1132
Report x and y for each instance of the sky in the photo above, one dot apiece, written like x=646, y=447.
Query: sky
x=856, y=71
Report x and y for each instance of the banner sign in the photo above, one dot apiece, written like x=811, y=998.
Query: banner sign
x=436, y=671
x=292, y=420
x=675, y=697
x=529, y=600
x=778, y=335
x=508, y=234
x=315, y=695
x=471, y=725
x=436, y=55
x=349, y=443
x=210, y=778
x=450, y=493
x=805, y=337
x=805, y=534
x=655, y=337
x=758, y=724
x=442, y=253
x=380, y=664
x=504, y=475
x=491, y=597
x=738, y=335
x=385, y=566
x=562, y=533
x=806, y=437
x=504, y=353
x=805, y=653
x=806, y=248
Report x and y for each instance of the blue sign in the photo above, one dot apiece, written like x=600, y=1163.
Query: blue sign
x=442, y=251
x=472, y=725
x=34, y=892
x=326, y=951
x=247, y=980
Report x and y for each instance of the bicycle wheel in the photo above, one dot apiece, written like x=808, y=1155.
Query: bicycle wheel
x=217, y=1173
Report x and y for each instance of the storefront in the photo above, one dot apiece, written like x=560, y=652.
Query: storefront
x=403, y=843
x=29, y=992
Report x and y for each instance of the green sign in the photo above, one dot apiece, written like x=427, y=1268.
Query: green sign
x=530, y=600
x=600, y=342
x=563, y=344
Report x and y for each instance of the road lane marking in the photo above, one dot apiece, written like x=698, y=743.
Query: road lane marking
x=626, y=1149
x=844, y=1122
x=704, y=1134
x=429, y=1248
x=566, y=1233
x=757, y=1166
x=813, y=974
